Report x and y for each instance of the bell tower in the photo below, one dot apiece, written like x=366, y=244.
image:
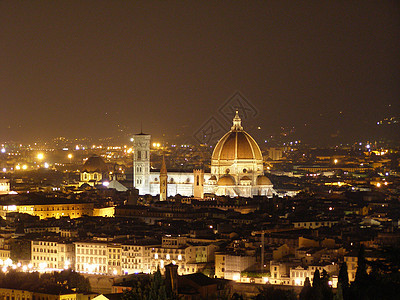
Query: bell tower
x=163, y=181
x=198, y=184
x=141, y=163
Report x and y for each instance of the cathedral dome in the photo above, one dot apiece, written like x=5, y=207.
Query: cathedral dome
x=226, y=180
x=263, y=180
x=95, y=164
x=237, y=144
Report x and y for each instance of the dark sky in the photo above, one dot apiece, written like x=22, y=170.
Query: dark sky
x=81, y=68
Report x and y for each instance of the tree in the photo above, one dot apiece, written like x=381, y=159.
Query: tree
x=272, y=293
x=306, y=290
x=316, y=279
x=20, y=250
x=326, y=289
x=154, y=289
x=316, y=292
x=361, y=273
x=339, y=293
x=343, y=282
x=343, y=277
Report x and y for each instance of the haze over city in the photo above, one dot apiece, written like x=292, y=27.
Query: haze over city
x=94, y=68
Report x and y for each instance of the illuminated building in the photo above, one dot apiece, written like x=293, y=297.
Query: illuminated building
x=91, y=257
x=47, y=208
x=135, y=258
x=6, y=293
x=4, y=186
x=141, y=163
x=114, y=259
x=236, y=169
x=94, y=171
x=230, y=266
x=52, y=255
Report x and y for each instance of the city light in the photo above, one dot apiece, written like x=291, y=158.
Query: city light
x=40, y=156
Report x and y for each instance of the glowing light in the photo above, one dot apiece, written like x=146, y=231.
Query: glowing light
x=3, y=150
x=4, y=170
x=40, y=156
x=378, y=184
x=17, y=167
x=168, y=256
x=70, y=156
x=330, y=282
x=42, y=266
x=115, y=272
x=24, y=268
x=179, y=257
x=156, y=256
x=19, y=265
x=8, y=262
x=236, y=277
x=66, y=264
x=46, y=165
x=106, y=183
x=265, y=279
x=297, y=281
x=335, y=161
x=4, y=269
x=24, y=167
x=11, y=208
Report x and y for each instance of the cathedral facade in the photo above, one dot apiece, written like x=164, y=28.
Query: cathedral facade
x=236, y=169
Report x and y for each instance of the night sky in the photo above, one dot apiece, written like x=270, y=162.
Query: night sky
x=83, y=68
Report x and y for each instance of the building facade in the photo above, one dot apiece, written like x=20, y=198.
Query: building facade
x=236, y=169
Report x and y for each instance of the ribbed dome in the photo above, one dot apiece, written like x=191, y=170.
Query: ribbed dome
x=95, y=164
x=263, y=180
x=226, y=180
x=236, y=144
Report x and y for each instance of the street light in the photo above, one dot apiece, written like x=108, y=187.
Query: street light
x=40, y=156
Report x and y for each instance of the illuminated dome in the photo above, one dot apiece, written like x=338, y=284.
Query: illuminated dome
x=263, y=180
x=95, y=164
x=226, y=180
x=236, y=144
